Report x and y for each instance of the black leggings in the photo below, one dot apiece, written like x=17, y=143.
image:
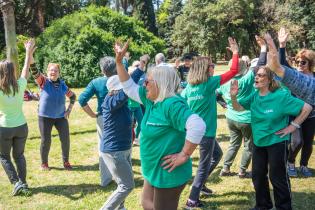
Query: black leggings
x=307, y=136
x=13, y=138
x=45, y=127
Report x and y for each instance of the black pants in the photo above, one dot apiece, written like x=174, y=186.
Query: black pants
x=13, y=138
x=307, y=136
x=45, y=127
x=273, y=157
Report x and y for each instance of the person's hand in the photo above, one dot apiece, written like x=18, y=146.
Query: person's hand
x=172, y=161
x=67, y=113
x=283, y=37
x=234, y=88
x=260, y=41
x=285, y=131
x=30, y=49
x=272, y=57
x=233, y=47
x=120, y=51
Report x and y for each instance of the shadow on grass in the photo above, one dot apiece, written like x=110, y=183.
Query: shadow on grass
x=94, y=167
x=79, y=191
x=223, y=137
x=71, y=133
x=220, y=116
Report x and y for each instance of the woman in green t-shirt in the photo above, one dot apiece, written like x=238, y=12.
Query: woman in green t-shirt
x=170, y=132
x=270, y=108
x=13, y=126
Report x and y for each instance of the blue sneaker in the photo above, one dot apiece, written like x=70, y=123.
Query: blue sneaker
x=305, y=171
x=292, y=170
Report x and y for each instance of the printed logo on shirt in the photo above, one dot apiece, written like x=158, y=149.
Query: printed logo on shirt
x=268, y=111
x=195, y=98
x=156, y=124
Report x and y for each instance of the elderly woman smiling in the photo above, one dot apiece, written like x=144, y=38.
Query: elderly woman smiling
x=270, y=108
x=170, y=134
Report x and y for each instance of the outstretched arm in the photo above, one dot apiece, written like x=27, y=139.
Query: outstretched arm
x=234, y=68
x=29, y=59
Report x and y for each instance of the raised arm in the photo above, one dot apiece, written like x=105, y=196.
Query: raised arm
x=129, y=86
x=262, y=60
x=282, y=38
x=29, y=59
x=233, y=93
x=234, y=68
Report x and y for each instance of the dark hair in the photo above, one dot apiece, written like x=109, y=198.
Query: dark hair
x=108, y=66
x=8, y=82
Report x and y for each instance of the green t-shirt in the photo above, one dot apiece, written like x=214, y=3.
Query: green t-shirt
x=201, y=99
x=11, y=113
x=246, y=87
x=133, y=104
x=163, y=133
x=270, y=113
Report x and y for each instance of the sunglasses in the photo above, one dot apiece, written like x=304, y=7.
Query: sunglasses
x=261, y=75
x=303, y=63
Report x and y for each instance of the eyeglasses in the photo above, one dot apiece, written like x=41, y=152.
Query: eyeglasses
x=261, y=75
x=302, y=62
x=146, y=82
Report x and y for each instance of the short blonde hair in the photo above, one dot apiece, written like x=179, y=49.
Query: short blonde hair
x=167, y=81
x=53, y=64
x=199, y=71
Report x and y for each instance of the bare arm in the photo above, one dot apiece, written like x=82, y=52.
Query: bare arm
x=297, y=121
x=120, y=52
x=30, y=48
x=233, y=93
x=87, y=109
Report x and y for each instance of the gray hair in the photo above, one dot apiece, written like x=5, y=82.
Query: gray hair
x=108, y=66
x=167, y=81
x=159, y=58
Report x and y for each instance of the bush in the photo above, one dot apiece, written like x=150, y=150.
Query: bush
x=79, y=40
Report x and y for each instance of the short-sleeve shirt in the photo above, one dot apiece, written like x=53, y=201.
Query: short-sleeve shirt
x=270, y=113
x=246, y=87
x=163, y=133
x=201, y=99
x=11, y=113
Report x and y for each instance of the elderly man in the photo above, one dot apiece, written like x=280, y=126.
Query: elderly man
x=98, y=87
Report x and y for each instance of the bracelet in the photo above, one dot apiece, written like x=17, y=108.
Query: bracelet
x=295, y=124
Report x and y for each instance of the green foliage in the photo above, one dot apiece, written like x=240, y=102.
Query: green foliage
x=79, y=40
x=205, y=26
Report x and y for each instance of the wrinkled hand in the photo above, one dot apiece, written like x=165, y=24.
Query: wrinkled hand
x=234, y=88
x=285, y=131
x=272, y=57
x=233, y=47
x=172, y=161
x=120, y=51
x=260, y=41
x=283, y=37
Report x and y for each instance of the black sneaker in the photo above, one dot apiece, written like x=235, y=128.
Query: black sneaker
x=193, y=204
x=17, y=188
x=206, y=191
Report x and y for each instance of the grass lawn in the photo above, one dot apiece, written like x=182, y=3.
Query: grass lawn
x=79, y=188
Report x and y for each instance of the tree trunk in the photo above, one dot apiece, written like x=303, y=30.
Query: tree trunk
x=7, y=8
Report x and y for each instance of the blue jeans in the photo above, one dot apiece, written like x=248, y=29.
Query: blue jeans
x=119, y=165
x=137, y=114
x=106, y=177
x=206, y=147
x=216, y=157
